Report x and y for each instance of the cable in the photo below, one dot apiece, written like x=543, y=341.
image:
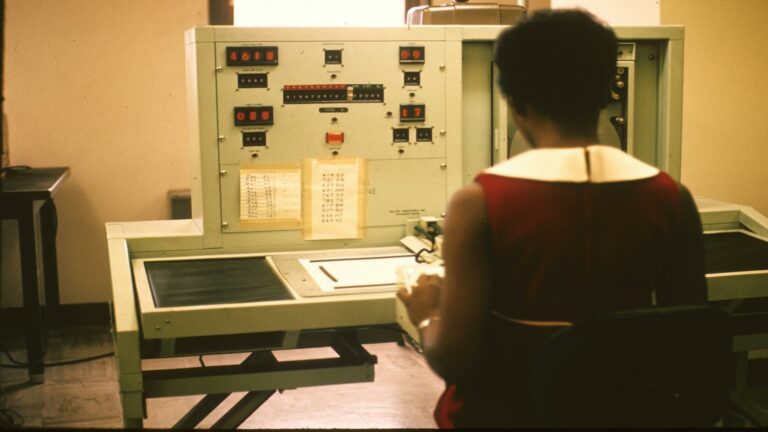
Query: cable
x=10, y=418
x=21, y=365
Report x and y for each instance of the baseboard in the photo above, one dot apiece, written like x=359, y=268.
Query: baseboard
x=67, y=315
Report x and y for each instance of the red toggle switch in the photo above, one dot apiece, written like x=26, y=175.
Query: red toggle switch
x=334, y=137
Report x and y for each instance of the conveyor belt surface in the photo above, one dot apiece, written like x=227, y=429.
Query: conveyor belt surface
x=735, y=252
x=213, y=281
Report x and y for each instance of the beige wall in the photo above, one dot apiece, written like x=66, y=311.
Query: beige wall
x=725, y=102
x=99, y=86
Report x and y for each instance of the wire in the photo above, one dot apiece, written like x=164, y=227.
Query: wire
x=430, y=233
x=10, y=418
x=200, y=359
x=21, y=365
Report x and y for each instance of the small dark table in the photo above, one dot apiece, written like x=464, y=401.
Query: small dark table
x=27, y=196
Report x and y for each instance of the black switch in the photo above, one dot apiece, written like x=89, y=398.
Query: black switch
x=411, y=78
x=255, y=139
x=252, y=80
x=424, y=134
x=332, y=56
x=400, y=135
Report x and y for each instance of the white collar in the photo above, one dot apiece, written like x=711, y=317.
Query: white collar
x=606, y=165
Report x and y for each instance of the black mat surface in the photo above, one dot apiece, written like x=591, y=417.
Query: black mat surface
x=213, y=281
x=734, y=252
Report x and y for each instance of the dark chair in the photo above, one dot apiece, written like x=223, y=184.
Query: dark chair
x=656, y=367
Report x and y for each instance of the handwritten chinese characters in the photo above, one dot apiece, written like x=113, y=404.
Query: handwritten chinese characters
x=336, y=200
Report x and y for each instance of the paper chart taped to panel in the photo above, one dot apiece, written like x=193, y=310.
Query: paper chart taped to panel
x=334, y=198
x=270, y=195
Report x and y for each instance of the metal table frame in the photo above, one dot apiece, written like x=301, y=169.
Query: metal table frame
x=27, y=196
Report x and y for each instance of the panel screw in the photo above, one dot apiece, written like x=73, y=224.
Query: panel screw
x=222, y=137
x=225, y=224
x=442, y=67
x=443, y=165
x=442, y=132
x=219, y=69
x=223, y=172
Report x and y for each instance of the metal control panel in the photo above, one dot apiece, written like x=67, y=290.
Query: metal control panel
x=419, y=108
x=282, y=99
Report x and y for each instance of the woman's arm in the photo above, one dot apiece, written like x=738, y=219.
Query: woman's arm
x=454, y=342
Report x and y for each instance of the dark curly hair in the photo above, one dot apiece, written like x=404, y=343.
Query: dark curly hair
x=560, y=63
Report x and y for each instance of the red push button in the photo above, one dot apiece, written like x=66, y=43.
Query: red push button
x=254, y=116
x=412, y=54
x=334, y=137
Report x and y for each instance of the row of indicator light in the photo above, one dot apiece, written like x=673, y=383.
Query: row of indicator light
x=411, y=54
x=253, y=116
x=264, y=115
x=413, y=113
x=267, y=55
x=250, y=56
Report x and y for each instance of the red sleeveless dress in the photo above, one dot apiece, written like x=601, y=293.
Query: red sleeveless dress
x=575, y=232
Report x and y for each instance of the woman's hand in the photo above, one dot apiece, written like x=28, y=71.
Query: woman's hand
x=422, y=302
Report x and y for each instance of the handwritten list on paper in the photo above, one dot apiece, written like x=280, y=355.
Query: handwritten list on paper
x=336, y=199
x=270, y=195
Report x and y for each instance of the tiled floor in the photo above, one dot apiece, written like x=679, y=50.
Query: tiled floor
x=85, y=395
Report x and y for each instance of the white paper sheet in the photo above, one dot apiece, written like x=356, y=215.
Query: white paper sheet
x=355, y=273
x=270, y=194
x=336, y=199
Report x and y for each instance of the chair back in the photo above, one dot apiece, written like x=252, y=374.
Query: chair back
x=655, y=367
